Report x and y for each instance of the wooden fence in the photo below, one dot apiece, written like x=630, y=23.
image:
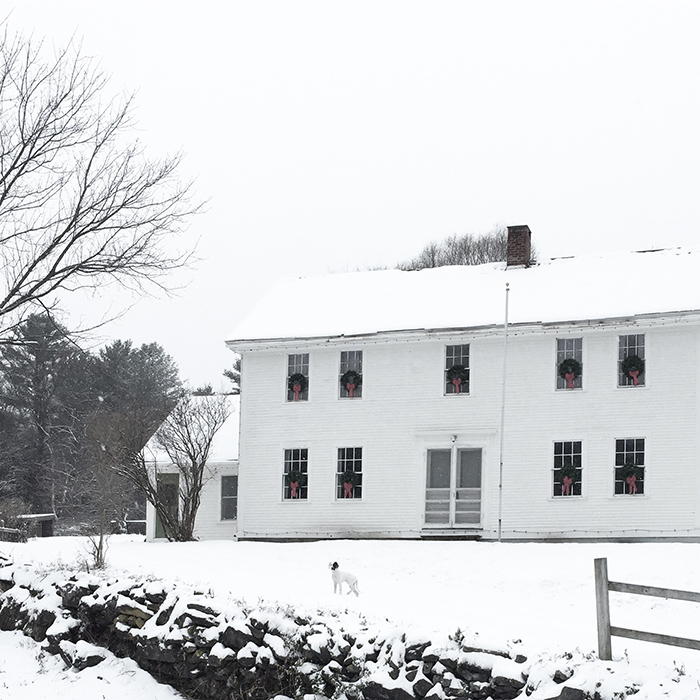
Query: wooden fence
x=605, y=630
x=11, y=534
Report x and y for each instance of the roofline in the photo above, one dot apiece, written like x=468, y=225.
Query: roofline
x=652, y=319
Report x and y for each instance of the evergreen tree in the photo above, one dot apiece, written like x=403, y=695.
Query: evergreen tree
x=46, y=396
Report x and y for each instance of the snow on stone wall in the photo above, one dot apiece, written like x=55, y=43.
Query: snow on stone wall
x=210, y=646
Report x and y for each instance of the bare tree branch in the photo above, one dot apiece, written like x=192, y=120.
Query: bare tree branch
x=80, y=203
x=463, y=250
x=187, y=435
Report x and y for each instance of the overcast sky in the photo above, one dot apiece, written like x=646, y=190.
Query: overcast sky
x=330, y=136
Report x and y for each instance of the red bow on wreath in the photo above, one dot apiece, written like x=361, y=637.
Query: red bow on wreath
x=632, y=484
x=457, y=374
x=351, y=380
x=566, y=485
x=347, y=490
x=294, y=485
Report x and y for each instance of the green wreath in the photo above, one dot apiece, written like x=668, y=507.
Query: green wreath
x=632, y=363
x=350, y=477
x=457, y=372
x=567, y=470
x=297, y=378
x=351, y=377
x=296, y=476
x=630, y=469
x=570, y=366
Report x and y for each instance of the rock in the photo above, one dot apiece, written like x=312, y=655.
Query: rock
x=571, y=694
x=430, y=658
x=11, y=615
x=448, y=663
x=38, y=624
x=506, y=688
x=375, y=691
x=80, y=663
x=164, y=615
x=154, y=650
x=422, y=687
x=415, y=651
x=73, y=592
x=134, y=611
x=561, y=676
x=236, y=637
x=470, y=673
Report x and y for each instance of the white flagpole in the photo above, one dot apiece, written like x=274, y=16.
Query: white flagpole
x=503, y=417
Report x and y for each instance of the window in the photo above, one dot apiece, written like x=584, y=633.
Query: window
x=298, y=377
x=629, y=466
x=457, y=369
x=349, y=474
x=296, y=470
x=567, y=468
x=569, y=359
x=351, y=374
x=631, y=360
x=229, y=497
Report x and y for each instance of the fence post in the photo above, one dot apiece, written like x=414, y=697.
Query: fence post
x=602, y=604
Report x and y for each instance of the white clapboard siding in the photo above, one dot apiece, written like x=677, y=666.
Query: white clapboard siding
x=208, y=524
x=403, y=412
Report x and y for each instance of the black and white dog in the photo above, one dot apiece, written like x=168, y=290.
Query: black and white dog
x=341, y=577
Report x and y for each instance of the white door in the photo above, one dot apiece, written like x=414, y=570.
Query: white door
x=453, y=488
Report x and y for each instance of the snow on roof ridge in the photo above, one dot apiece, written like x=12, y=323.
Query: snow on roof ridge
x=462, y=296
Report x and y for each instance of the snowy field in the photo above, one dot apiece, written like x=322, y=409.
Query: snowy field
x=538, y=598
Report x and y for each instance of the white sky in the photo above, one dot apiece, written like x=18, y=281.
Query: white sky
x=330, y=136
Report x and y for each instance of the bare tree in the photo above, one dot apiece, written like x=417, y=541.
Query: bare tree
x=80, y=203
x=469, y=249
x=186, y=437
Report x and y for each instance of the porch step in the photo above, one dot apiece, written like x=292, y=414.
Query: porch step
x=450, y=534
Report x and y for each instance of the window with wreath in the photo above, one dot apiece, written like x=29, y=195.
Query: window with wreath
x=569, y=363
x=566, y=473
x=351, y=374
x=296, y=470
x=349, y=473
x=629, y=466
x=298, y=377
x=229, y=497
x=631, y=362
x=457, y=369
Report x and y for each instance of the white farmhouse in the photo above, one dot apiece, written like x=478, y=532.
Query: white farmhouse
x=217, y=516
x=555, y=400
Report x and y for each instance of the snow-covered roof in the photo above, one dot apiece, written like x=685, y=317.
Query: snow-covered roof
x=224, y=447
x=557, y=290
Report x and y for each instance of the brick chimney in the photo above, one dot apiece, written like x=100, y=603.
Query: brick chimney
x=519, y=247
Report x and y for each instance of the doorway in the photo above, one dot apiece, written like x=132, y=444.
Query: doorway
x=453, y=488
x=169, y=495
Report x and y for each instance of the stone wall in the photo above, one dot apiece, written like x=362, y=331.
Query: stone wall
x=214, y=647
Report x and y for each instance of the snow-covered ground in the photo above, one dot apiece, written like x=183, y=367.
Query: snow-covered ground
x=540, y=594
x=28, y=673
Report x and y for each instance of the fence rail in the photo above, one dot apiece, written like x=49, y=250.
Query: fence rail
x=603, y=586
x=11, y=534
